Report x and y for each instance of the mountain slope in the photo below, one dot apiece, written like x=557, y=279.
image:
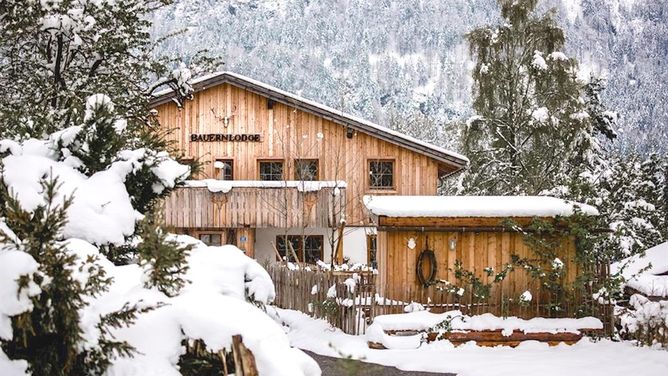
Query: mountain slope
x=406, y=62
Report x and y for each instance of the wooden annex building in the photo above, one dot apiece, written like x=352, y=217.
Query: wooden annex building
x=473, y=231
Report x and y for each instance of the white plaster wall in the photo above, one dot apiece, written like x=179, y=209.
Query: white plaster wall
x=354, y=242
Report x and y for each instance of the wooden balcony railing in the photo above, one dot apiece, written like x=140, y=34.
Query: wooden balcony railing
x=256, y=204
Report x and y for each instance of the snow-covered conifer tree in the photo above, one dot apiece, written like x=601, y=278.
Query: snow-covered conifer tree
x=532, y=118
x=77, y=78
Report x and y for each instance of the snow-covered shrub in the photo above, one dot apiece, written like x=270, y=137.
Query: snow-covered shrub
x=211, y=308
x=70, y=310
x=644, y=320
x=644, y=315
x=48, y=329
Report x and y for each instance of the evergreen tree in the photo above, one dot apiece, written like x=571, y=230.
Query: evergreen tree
x=63, y=63
x=58, y=53
x=84, y=72
x=49, y=336
x=631, y=201
x=163, y=260
x=533, y=120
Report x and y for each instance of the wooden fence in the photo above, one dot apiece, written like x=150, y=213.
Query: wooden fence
x=351, y=310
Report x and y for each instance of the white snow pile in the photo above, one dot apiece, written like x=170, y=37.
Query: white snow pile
x=587, y=357
x=646, y=273
x=211, y=307
x=642, y=315
x=225, y=186
x=423, y=321
x=474, y=206
x=101, y=211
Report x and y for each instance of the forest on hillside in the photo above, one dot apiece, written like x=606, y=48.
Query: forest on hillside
x=406, y=64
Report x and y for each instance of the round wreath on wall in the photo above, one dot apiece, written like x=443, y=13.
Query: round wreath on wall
x=429, y=256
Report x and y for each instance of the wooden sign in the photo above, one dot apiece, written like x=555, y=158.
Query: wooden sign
x=225, y=137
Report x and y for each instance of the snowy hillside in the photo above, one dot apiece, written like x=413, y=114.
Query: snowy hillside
x=399, y=61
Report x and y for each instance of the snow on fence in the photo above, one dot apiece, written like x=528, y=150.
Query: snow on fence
x=350, y=300
x=337, y=297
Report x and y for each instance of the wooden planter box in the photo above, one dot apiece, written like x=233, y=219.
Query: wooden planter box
x=491, y=338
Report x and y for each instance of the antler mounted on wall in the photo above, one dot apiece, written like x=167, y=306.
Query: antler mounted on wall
x=224, y=118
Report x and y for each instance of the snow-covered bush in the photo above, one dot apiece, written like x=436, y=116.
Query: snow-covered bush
x=212, y=308
x=644, y=320
x=67, y=309
x=644, y=316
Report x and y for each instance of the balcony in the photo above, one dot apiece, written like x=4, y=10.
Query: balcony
x=256, y=204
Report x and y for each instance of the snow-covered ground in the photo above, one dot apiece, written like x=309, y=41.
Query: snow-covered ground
x=530, y=358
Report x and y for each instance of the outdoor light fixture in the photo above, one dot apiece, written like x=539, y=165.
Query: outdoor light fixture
x=349, y=132
x=453, y=244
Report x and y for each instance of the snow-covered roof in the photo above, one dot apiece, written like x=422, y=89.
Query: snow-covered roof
x=225, y=186
x=473, y=206
x=650, y=282
x=201, y=83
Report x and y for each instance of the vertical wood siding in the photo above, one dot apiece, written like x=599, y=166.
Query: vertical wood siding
x=476, y=250
x=289, y=134
x=253, y=207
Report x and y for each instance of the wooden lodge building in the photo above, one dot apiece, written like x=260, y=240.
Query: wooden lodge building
x=278, y=166
x=275, y=164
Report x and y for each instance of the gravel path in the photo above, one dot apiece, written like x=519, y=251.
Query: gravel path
x=344, y=367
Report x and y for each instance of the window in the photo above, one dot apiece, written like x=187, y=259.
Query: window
x=211, y=239
x=271, y=170
x=313, y=249
x=231, y=236
x=283, y=249
x=226, y=236
x=371, y=251
x=224, y=169
x=310, y=246
x=381, y=174
x=306, y=169
x=189, y=161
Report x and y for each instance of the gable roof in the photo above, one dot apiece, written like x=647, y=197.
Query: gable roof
x=202, y=83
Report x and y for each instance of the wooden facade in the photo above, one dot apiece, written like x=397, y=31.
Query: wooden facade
x=252, y=207
x=288, y=133
x=478, y=243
